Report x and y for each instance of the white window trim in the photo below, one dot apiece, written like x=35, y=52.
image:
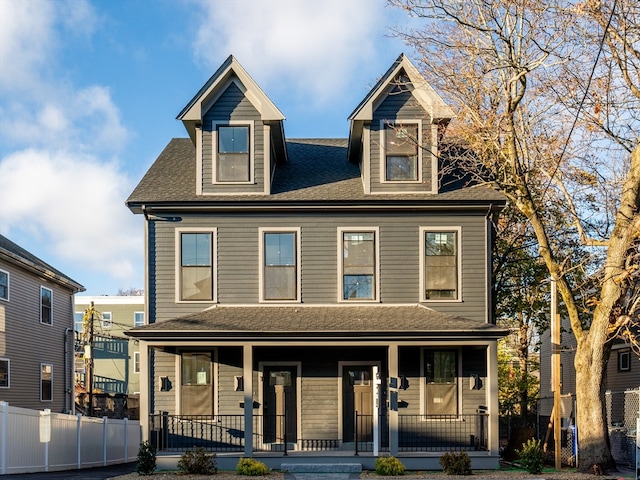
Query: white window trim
x=445, y=229
x=423, y=379
x=106, y=324
x=8, y=360
x=144, y=320
x=383, y=153
x=42, y=287
x=42, y=365
x=136, y=361
x=261, y=232
x=214, y=147
x=178, y=263
x=8, y=286
x=340, y=254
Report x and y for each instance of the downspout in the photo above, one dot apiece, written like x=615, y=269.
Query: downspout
x=67, y=373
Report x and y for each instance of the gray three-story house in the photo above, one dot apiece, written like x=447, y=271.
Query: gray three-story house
x=318, y=297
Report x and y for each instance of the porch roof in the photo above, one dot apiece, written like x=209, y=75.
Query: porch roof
x=301, y=322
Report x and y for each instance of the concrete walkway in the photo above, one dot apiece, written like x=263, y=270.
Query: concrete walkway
x=96, y=473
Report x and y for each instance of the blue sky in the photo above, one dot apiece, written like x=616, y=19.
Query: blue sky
x=89, y=93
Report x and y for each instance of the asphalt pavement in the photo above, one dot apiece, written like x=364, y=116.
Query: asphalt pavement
x=95, y=473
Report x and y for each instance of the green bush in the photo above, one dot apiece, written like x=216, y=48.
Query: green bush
x=251, y=467
x=389, y=466
x=197, y=462
x=456, y=463
x=531, y=456
x=146, y=459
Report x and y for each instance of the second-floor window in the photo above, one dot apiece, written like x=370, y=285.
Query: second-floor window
x=196, y=266
x=401, y=152
x=4, y=285
x=107, y=320
x=46, y=306
x=280, y=265
x=233, y=159
x=138, y=319
x=359, y=265
x=78, y=321
x=440, y=264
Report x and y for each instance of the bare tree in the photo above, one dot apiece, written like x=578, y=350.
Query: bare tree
x=519, y=79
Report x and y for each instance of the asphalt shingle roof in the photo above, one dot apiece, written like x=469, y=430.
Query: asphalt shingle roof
x=259, y=321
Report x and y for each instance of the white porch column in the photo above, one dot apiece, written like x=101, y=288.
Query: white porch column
x=247, y=363
x=145, y=389
x=393, y=402
x=492, y=400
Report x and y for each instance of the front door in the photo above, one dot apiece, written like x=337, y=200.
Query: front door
x=357, y=394
x=280, y=404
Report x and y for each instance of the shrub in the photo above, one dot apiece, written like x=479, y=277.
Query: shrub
x=456, y=463
x=146, y=459
x=531, y=456
x=197, y=462
x=389, y=466
x=251, y=467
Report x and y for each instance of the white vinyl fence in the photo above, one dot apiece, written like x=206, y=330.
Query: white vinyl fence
x=41, y=441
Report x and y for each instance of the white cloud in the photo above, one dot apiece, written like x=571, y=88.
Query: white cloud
x=311, y=47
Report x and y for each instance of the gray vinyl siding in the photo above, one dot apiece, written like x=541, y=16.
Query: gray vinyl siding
x=233, y=106
x=229, y=366
x=400, y=107
x=27, y=343
x=319, y=400
x=164, y=365
x=399, y=238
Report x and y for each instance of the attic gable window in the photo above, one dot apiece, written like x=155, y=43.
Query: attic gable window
x=233, y=154
x=401, y=152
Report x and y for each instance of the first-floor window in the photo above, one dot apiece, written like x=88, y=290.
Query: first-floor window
x=197, y=383
x=359, y=265
x=440, y=265
x=46, y=382
x=196, y=266
x=441, y=376
x=5, y=371
x=4, y=285
x=280, y=275
x=136, y=362
x=46, y=306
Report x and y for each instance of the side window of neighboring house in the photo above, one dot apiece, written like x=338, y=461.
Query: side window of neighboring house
x=358, y=264
x=401, y=152
x=280, y=265
x=624, y=360
x=77, y=321
x=138, y=319
x=196, y=265
x=441, y=376
x=46, y=306
x=136, y=362
x=107, y=320
x=233, y=159
x=440, y=262
x=5, y=373
x=46, y=382
x=4, y=285
x=197, y=383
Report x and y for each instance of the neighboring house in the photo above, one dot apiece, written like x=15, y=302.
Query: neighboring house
x=116, y=358
x=317, y=296
x=36, y=334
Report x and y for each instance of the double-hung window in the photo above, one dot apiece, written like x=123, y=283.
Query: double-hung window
x=136, y=362
x=46, y=306
x=107, y=320
x=401, y=152
x=233, y=154
x=197, y=383
x=280, y=262
x=440, y=262
x=5, y=373
x=358, y=264
x=78, y=321
x=441, y=376
x=4, y=285
x=46, y=382
x=195, y=250
x=138, y=319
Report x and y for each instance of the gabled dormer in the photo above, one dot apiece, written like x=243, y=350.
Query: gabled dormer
x=237, y=132
x=395, y=130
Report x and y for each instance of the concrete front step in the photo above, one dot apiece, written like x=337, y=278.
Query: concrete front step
x=324, y=471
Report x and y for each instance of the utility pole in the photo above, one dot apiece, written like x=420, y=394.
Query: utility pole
x=90, y=363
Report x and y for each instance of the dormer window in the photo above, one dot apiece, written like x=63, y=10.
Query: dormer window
x=233, y=159
x=401, y=152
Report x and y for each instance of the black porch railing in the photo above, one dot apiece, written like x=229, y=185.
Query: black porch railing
x=226, y=433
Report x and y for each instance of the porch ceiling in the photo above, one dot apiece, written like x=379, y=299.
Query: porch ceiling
x=300, y=322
